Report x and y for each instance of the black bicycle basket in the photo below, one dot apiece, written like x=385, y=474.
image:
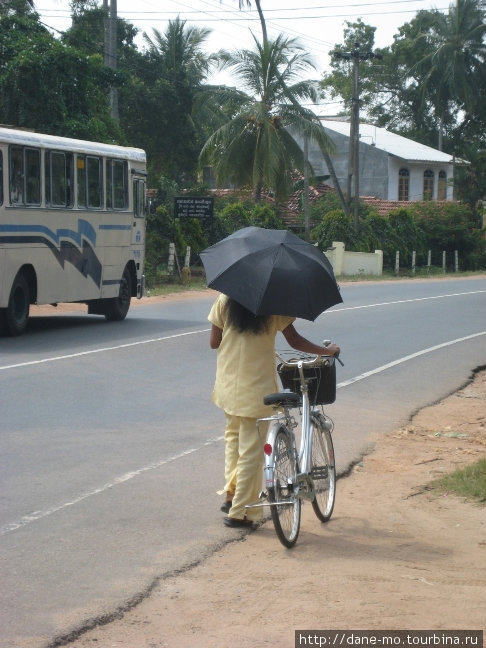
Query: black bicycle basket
x=321, y=381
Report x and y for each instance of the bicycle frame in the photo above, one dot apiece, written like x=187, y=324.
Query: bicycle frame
x=304, y=485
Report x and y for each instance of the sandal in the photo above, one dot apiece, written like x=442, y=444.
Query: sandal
x=226, y=506
x=236, y=523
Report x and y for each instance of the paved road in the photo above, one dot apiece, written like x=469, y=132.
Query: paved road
x=111, y=451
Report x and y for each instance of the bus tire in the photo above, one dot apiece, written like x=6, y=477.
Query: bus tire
x=116, y=309
x=16, y=314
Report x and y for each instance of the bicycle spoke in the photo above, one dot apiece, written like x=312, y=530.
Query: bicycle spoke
x=286, y=513
x=323, y=471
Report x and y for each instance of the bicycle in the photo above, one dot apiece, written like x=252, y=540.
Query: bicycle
x=308, y=473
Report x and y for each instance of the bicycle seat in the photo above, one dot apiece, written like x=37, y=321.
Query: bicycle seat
x=287, y=398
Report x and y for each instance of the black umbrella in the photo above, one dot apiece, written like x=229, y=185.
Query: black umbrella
x=272, y=272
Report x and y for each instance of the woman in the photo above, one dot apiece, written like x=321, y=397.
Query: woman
x=245, y=373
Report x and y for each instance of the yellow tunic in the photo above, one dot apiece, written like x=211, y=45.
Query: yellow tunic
x=246, y=369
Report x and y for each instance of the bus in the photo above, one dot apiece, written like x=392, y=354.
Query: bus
x=72, y=225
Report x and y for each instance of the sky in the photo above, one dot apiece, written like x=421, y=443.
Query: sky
x=317, y=24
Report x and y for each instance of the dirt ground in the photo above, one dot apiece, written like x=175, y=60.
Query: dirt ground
x=395, y=555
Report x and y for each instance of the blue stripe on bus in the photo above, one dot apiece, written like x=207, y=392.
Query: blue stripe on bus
x=84, y=260
x=85, y=229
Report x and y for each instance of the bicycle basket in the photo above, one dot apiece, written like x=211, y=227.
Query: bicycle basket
x=321, y=381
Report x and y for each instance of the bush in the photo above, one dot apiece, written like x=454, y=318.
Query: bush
x=335, y=226
x=449, y=227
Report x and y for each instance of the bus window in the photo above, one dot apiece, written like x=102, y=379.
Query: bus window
x=88, y=171
x=16, y=176
x=94, y=182
x=1, y=178
x=25, y=185
x=81, y=179
x=116, y=184
x=139, y=198
x=59, y=179
x=33, y=175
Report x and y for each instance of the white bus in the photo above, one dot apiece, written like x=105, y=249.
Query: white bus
x=72, y=225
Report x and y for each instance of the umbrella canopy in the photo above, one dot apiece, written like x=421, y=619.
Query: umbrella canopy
x=272, y=272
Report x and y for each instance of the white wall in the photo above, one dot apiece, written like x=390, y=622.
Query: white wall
x=354, y=263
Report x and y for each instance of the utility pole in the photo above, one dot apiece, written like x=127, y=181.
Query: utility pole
x=353, y=158
x=306, y=186
x=110, y=58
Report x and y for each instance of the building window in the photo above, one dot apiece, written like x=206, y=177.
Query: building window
x=442, y=186
x=403, y=184
x=428, y=184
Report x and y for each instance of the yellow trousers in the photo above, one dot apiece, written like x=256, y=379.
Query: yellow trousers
x=243, y=465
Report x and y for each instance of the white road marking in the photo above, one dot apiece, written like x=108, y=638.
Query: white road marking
x=394, y=363
x=39, y=515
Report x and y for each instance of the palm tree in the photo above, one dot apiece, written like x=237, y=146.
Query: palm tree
x=257, y=147
x=455, y=67
x=180, y=50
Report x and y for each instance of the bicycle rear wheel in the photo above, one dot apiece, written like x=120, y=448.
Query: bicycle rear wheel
x=323, y=470
x=286, y=513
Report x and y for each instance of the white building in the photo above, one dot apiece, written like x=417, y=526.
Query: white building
x=391, y=167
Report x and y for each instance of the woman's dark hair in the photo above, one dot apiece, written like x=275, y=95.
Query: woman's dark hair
x=243, y=320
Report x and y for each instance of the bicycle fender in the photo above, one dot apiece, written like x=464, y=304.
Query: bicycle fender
x=269, y=458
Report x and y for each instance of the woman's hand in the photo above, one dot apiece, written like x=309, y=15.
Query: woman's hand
x=332, y=350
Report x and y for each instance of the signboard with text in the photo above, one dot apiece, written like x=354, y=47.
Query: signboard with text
x=193, y=207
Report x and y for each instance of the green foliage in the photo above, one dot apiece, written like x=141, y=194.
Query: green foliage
x=263, y=215
x=335, y=226
x=449, y=227
x=50, y=86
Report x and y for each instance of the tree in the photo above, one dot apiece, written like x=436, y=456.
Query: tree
x=454, y=67
x=66, y=89
x=339, y=82
x=163, y=95
x=256, y=148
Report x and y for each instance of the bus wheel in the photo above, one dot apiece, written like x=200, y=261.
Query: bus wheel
x=16, y=314
x=117, y=308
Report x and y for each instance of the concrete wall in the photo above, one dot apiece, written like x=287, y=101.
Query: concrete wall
x=373, y=169
x=354, y=263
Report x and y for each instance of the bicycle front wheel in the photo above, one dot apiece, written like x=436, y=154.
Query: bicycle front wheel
x=323, y=471
x=286, y=506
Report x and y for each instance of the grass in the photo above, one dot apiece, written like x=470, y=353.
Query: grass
x=198, y=282
x=175, y=286
x=468, y=482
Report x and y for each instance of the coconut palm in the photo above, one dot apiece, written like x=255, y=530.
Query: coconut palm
x=257, y=147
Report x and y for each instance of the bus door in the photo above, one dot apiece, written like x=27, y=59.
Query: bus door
x=138, y=230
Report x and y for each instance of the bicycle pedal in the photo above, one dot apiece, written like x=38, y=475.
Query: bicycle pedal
x=320, y=472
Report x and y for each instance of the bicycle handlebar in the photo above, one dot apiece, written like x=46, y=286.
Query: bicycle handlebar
x=306, y=360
